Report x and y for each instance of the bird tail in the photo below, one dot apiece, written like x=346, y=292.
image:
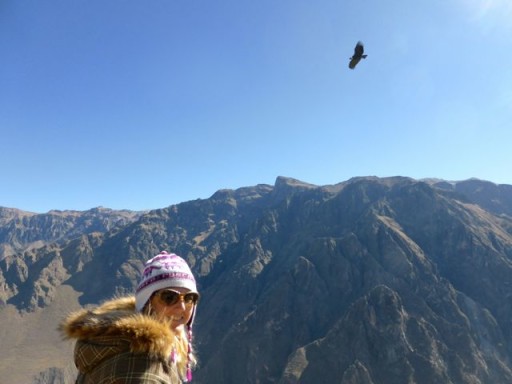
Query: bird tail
x=364, y=56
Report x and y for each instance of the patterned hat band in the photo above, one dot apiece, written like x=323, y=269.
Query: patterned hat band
x=169, y=276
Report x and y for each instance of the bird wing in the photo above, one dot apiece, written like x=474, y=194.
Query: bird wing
x=359, y=49
x=353, y=62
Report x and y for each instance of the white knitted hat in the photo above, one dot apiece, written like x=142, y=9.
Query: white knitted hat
x=165, y=270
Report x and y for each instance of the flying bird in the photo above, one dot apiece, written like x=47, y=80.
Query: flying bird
x=358, y=55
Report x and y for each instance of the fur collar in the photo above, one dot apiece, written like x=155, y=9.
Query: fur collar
x=118, y=318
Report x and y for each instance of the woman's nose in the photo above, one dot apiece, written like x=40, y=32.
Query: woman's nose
x=181, y=304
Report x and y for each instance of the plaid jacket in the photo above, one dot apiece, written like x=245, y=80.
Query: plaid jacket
x=117, y=345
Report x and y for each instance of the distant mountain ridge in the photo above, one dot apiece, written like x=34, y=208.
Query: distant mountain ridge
x=21, y=229
x=372, y=280
x=496, y=198
x=24, y=233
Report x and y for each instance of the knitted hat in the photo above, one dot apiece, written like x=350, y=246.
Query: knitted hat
x=165, y=270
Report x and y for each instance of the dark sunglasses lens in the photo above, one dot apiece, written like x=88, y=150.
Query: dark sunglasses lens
x=191, y=298
x=169, y=297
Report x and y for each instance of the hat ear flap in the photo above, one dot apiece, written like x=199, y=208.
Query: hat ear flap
x=189, y=352
x=191, y=321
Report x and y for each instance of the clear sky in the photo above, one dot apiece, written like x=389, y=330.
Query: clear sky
x=132, y=104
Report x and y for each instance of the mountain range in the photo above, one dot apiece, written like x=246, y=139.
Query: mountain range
x=368, y=281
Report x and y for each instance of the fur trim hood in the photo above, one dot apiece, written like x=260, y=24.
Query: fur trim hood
x=113, y=327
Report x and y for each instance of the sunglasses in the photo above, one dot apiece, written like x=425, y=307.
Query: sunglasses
x=170, y=297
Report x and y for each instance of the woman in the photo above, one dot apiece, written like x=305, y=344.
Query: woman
x=141, y=339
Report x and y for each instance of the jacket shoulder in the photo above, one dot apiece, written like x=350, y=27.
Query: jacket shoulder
x=118, y=318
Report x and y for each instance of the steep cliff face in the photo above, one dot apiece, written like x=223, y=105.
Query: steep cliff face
x=388, y=264
x=367, y=281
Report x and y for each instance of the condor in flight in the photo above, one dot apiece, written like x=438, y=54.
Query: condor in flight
x=358, y=55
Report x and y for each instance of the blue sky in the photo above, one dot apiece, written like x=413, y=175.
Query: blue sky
x=143, y=104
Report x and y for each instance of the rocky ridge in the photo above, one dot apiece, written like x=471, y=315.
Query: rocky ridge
x=367, y=281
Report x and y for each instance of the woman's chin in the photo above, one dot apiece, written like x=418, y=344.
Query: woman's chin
x=176, y=323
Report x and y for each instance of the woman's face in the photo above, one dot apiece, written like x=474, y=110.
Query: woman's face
x=180, y=312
